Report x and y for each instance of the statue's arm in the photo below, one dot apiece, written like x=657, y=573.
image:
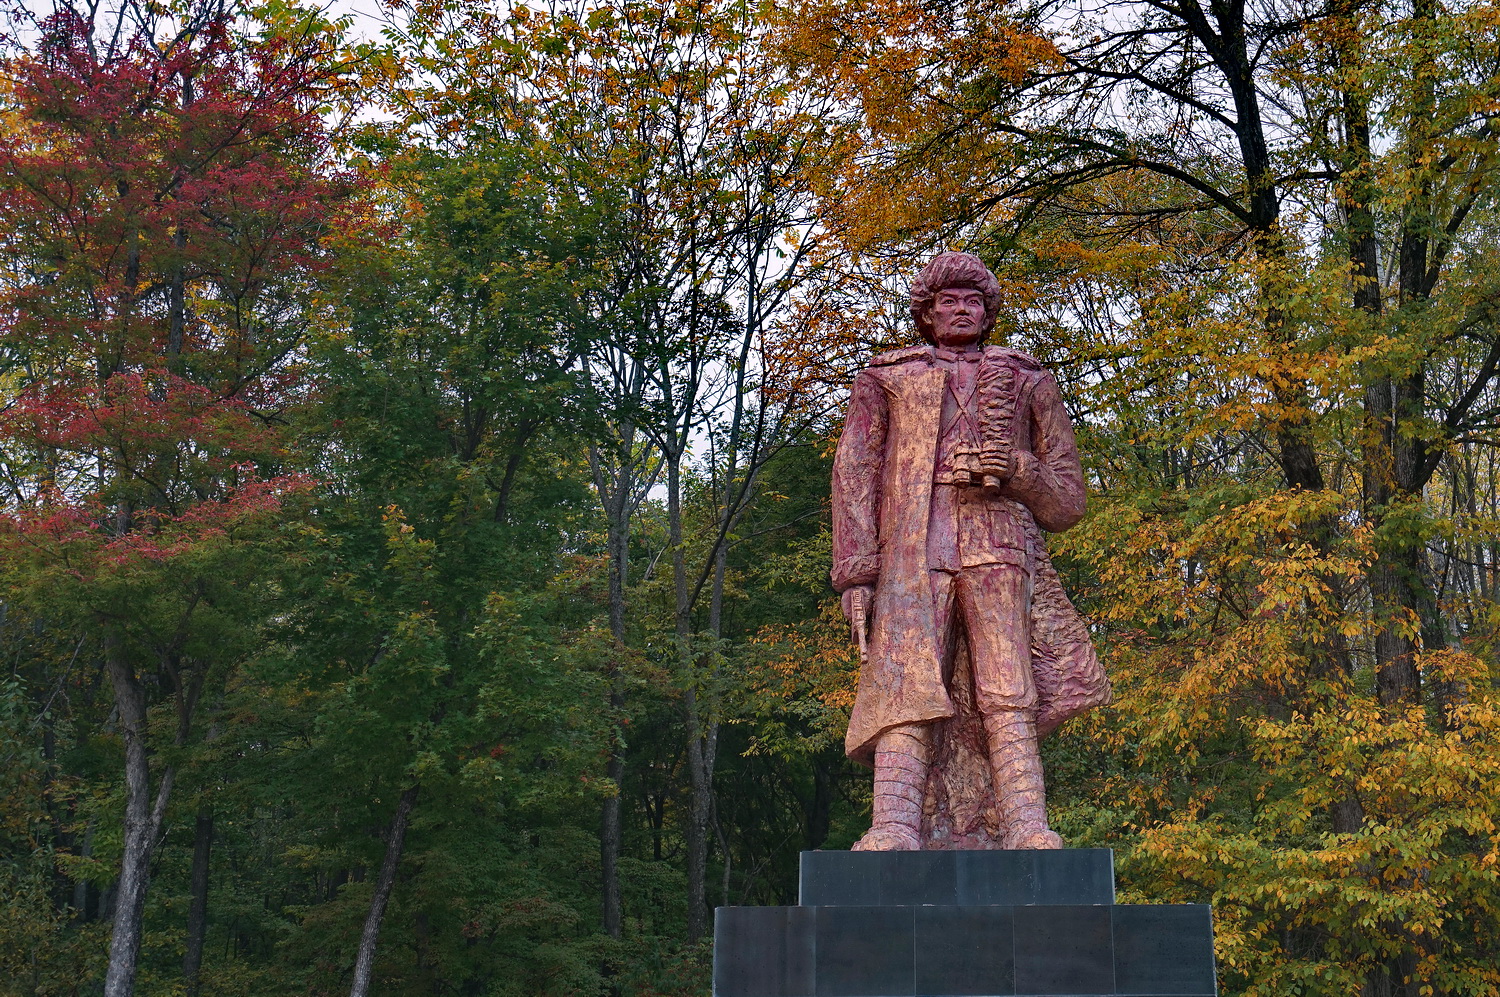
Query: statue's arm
x=1049, y=479
x=858, y=466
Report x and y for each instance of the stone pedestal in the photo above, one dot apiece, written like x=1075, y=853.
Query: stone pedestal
x=951, y=923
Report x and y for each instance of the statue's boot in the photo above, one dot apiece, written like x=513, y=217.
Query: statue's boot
x=901, y=759
x=1017, y=769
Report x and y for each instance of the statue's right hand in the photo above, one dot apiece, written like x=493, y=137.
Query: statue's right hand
x=998, y=463
x=857, y=601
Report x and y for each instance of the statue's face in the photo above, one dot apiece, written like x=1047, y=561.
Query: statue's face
x=957, y=316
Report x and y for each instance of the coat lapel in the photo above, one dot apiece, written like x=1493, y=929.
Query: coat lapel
x=902, y=681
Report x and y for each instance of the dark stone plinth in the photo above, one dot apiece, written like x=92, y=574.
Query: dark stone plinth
x=961, y=951
x=958, y=878
x=766, y=950
x=1164, y=949
x=1065, y=950
x=963, y=924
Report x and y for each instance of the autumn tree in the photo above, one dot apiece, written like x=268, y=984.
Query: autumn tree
x=448, y=414
x=1280, y=329
x=676, y=113
x=166, y=186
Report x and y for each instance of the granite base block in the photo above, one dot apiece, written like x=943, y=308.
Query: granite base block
x=957, y=878
x=964, y=951
x=963, y=924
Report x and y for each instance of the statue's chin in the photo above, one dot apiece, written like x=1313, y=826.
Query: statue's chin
x=958, y=339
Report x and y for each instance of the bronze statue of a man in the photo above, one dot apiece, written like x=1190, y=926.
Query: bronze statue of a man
x=952, y=455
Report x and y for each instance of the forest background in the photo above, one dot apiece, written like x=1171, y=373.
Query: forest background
x=415, y=454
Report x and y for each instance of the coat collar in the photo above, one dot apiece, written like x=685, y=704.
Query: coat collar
x=929, y=354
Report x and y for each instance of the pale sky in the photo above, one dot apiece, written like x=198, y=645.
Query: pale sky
x=366, y=13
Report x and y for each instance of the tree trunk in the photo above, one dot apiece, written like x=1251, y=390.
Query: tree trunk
x=364, y=963
x=192, y=958
x=1399, y=584
x=81, y=886
x=696, y=831
x=1395, y=667
x=700, y=804
x=616, y=491
x=611, y=834
x=702, y=751
x=1392, y=460
x=142, y=818
x=1229, y=47
x=708, y=756
x=818, y=809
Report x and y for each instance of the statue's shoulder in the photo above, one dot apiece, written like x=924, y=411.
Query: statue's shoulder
x=906, y=354
x=1013, y=357
x=920, y=353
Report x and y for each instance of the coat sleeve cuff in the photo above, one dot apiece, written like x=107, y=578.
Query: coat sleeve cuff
x=1025, y=477
x=852, y=571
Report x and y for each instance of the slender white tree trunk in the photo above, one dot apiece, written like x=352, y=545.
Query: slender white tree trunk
x=142, y=819
x=364, y=963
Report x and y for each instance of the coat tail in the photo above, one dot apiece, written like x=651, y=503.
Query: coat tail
x=1069, y=678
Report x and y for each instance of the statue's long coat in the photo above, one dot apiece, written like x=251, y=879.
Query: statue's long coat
x=882, y=501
